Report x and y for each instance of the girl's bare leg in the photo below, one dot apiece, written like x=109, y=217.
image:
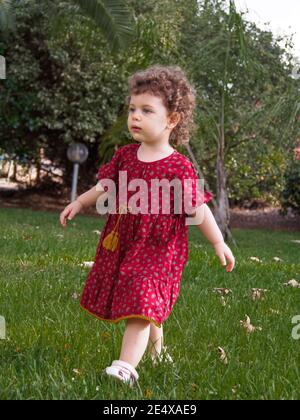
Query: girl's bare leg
x=135, y=340
x=155, y=342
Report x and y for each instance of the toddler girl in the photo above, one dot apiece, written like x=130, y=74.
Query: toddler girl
x=142, y=253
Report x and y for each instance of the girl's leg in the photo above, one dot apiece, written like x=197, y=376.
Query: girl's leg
x=155, y=342
x=135, y=340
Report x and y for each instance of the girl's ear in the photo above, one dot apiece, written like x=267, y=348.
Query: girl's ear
x=174, y=119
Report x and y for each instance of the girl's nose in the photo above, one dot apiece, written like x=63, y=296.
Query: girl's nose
x=135, y=114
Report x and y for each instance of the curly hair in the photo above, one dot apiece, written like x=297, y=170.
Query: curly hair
x=171, y=85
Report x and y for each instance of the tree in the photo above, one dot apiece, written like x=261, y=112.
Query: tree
x=63, y=86
x=243, y=82
x=113, y=18
x=6, y=15
x=66, y=85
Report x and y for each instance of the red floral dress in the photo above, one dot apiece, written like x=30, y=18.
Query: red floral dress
x=141, y=277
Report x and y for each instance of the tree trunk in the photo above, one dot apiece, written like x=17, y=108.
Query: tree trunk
x=222, y=216
x=9, y=171
x=14, y=175
x=226, y=233
x=38, y=172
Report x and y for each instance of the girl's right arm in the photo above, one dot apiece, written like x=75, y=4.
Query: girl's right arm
x=85, y=200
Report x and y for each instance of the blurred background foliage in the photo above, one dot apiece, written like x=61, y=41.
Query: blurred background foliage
x=67, y=68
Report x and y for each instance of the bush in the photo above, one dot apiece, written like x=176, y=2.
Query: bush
x=290, y=197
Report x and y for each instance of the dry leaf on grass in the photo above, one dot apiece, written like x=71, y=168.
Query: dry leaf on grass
x=223, y=356
x=194, y=387
x=292, y=283
x=248, y=326
x=105, y=335
x=87, y=264
x=97, y=231
x=277, y=259
x=223, y=301
x=258, y=294
x=148, y=393
x=235, y=389
x=274, y=311
x=255, y=259
x=26, y=237
x=222, y=291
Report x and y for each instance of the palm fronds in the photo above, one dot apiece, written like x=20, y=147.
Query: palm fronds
x=113, y=17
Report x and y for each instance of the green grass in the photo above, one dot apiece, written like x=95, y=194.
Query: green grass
x=49, y=335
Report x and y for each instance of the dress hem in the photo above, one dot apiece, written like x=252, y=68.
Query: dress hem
x=121, y=318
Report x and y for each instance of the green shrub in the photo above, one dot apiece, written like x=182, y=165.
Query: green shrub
x=290, y=197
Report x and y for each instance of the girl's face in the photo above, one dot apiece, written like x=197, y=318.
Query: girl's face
x=148, y=112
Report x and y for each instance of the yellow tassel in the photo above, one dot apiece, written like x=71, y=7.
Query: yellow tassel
x=111, y=241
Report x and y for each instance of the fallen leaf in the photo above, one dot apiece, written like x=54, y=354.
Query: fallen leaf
x=105, y=335
x=164, y=356
x=87, y=264
x=223, y=355
x=255, y=259
x=194, y=387
x=248, y=326
x=222, y=291
x=296, y=241
x=223, y=301
x=148, y=393
x=277, y=259
x=75, y=295
x=97, y=231
x=234, y=389
x=257, y=294
x=274, y=311
x=292, y=283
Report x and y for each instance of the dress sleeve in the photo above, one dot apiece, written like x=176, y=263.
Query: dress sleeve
x=193, y=191
x=110, y=170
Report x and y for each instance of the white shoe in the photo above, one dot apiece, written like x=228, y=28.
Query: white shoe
x=122, y=371
x=163, y=357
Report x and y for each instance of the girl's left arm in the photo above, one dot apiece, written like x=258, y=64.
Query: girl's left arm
x=205, y=221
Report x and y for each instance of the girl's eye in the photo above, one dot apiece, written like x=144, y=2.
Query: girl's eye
x=145, y=110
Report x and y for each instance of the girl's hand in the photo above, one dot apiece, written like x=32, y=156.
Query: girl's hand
x=223, y=252
x=69, y=212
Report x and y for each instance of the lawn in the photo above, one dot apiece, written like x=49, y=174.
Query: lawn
x=55, y=350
